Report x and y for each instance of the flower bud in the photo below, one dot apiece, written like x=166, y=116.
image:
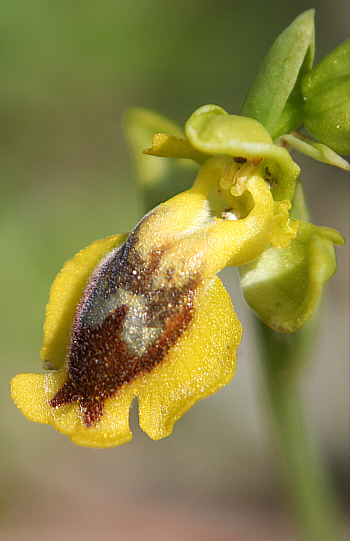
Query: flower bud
x=284, y=285
x=326, y=91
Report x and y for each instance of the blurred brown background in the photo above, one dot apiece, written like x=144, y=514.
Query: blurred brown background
x=69, y=69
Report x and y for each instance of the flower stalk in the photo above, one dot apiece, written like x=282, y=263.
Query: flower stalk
x=308, y=486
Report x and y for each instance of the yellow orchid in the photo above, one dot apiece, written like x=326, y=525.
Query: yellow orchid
x=144, y=314
x=284, y=284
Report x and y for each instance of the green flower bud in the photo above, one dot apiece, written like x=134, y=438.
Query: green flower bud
x=326, y=91
x=283, y=285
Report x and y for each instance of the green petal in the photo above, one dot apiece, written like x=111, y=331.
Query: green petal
x=290, y=56
x=159, y=177
x=169, y=146
x=284, y=286
x=315, y=150
x=212, y=131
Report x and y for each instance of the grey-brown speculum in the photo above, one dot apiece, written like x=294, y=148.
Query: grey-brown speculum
x=125, y=324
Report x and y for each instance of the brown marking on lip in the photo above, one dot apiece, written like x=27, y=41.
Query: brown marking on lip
x=100, y=360
x=256, y=161
x=269, y=178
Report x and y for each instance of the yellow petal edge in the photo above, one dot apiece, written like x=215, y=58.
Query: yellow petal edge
x=65, y=294
x=202, y=361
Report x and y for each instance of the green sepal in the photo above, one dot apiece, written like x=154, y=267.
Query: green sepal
x=284, y=286
x=326, y=91
x=159, y=178
x=274, y=97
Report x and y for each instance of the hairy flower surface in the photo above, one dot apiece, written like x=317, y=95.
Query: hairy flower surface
x=145, y=314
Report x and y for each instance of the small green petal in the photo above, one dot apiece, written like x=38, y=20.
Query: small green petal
x=290, y=56
x=283, y=286
x=169, y=146
x=212, y=131
x=315, y=150
x=326, y=90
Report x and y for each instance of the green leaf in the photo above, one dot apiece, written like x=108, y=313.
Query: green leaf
x=277, y=84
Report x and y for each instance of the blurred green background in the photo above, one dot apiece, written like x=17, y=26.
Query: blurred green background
x=68, y=71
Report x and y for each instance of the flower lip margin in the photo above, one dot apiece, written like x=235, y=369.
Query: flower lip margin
x=125, y=324
x=164, y=394
x=199, y=362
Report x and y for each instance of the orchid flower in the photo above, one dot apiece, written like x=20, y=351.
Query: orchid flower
x=145, y=315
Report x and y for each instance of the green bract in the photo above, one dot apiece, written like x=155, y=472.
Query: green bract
x=326, y=91
x=274, y=97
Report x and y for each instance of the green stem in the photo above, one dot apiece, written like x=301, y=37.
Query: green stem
x=310, y=492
